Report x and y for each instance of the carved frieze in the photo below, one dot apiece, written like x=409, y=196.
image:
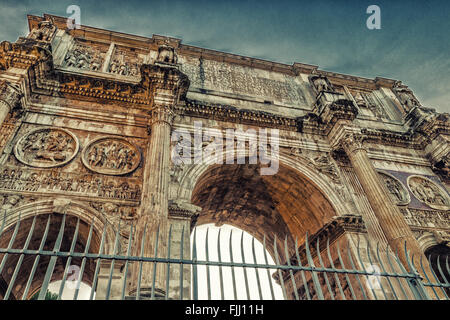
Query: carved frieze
x=84, y=57
x=428, y=192
x=396, y=189
x=46, y=147
x=111, y=155
x=427, y=218
x=125, y=63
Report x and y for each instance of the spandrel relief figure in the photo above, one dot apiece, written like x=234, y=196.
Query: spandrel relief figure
x=111, y=156
x=46, y=148
x=396, y=189
x=429, y=192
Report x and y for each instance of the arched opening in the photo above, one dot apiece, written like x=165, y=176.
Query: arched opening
x=19, y=275
x=280, y=208
x=230, y=244
x=439, y=257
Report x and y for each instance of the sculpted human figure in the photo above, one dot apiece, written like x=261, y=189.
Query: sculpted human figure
x=166, y=54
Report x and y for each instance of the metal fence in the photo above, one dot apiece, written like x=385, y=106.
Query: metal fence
x=41, y=249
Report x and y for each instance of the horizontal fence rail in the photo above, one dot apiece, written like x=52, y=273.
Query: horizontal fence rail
x=47, y=255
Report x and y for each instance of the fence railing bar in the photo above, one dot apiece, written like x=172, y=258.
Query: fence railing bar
x=317, y=286
x=219, y=255
x=69, y=260
x=291, y=273
x=302, y=272
x=435, y=278
x=97, y=266
x=181, y=264
x=442, y=275
x=19, y=262
x=324, y=274
x=379, y=278
x=125, y=273
x=411, y=286
x=155, y=263
x=194, y=267
x=247, y=291
x=343, y=266
x=208, y=276
x=84, y=259
x=393, y=270
x=277, y=261
x=363, y=291
x=3, y=223
x=336, y=277
x=230, y=241
x=258, y=283
x=52, y=263
x=267, y=270
x=358, y=250
x=169, y=245
x=111, y=268
x=384, y=270
x=36, y=259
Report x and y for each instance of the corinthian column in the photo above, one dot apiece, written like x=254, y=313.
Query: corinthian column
x=390, y=218
x=9, y=97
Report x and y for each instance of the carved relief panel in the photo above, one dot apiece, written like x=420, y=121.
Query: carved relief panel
x=46, y=147
x=85, y=57
x=125, y=62
x=429, y=192
x=111, y=155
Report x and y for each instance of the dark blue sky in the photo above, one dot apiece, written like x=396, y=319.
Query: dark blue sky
x=413, y=43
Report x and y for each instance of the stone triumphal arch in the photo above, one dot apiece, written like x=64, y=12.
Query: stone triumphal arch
x=87, y=120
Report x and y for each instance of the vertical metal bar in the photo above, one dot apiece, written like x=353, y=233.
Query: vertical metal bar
x=435, y=277
x=125, y=274
x=294, y=285
x=181, y=264
x=268, y=272
x=69, y=259
x=155, y=263
x=369, y=248
x=354, y=269
x=232, y=267
x=208, y=277
x=111, y=269
x=364, y=269
x=411, y=286
x=19, y=263
x=343, y=267
x=323, y=266
x=315, y=279
x=51, y=264
x=426, y=277
x=418, y=282
x=393, y=270
x=247, y=291
x=168, y=263
x=97, y=266
x=36, y=260
x=138, y=289
x=194, y=267
x=277, y=261
x=302, y=272
x=442, y=275
x=256, y=269
x=220, y=267
x=83, y=261
x=336, y=278
x=3, y=223
x=384, y=270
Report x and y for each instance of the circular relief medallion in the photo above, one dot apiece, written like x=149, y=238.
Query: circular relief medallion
x=111, y=155
x=396, y=189
x=427, y=191
x=46, y=147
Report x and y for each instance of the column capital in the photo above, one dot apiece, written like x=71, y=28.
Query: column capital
x=349, y=141
x=161, y=114
x=9, y=95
